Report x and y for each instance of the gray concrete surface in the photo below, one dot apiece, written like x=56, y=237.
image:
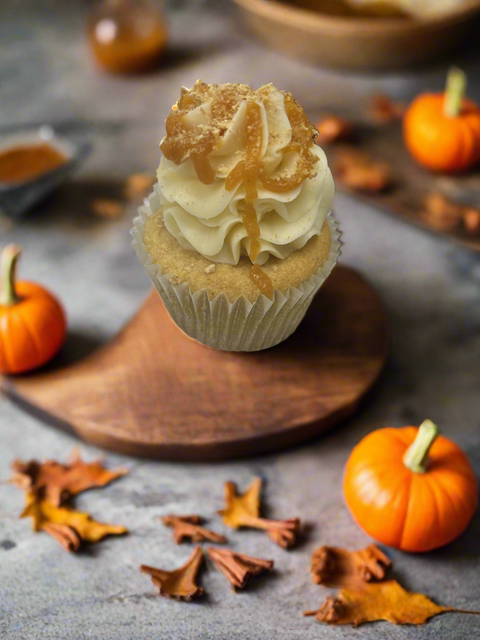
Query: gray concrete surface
x=431, y=290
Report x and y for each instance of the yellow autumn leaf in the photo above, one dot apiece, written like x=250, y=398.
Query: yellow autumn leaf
x=378, y=601
x=241, y=508
x=69, y=527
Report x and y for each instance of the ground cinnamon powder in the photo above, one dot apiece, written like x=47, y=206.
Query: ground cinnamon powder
x=22, y=163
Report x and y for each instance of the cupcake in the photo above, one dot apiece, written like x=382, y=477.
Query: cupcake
x=238, y=235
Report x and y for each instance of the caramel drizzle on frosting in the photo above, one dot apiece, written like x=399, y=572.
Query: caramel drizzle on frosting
x=198, y=142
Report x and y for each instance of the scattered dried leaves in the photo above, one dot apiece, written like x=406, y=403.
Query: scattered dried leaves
x=71, y=528
x=333, y=129
x=139, y=185
x=59, y=481
x=444, y=214
x=335, y=567
x=243, y=510
x=105, y=208
x=238, y=567
x=189, y=528
x=384, y=110
x=364, y=596
x=374, y=601
x=358, y=171
x=179, y=584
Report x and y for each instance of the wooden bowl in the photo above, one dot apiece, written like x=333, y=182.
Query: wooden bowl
x=354, y=43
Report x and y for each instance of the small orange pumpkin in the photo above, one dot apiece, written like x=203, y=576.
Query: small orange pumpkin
x=442, y=130
x=410, y=488
x=32, y=321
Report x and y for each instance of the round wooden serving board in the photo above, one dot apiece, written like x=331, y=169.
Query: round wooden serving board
x=154, y=392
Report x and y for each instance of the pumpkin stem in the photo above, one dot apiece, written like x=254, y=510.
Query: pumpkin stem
x=416, y=455
x=454, y=92
x=8, y=268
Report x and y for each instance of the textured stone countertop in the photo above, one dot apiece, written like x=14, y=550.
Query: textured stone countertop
x=431, y=290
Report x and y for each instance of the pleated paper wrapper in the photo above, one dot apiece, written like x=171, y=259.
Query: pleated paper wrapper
x=221, y=324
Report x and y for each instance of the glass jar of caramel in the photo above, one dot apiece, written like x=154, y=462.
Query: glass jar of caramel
x=127, y=36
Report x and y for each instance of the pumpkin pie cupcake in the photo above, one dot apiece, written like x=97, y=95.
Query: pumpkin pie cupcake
x=238, y=235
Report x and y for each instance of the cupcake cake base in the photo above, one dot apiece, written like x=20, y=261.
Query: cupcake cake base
x=153, y=392
x=237, y=318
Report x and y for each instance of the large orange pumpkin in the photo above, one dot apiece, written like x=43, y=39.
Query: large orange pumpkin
x=410, y=488
x=442, y=130
x=32, y=322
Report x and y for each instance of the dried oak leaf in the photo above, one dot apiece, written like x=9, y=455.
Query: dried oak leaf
x=238, y=567
x=188, y=528
x=358, y=171
x=69, y=527
x=332, y=129
x=378, y=601
x=383, y=109
x=244, y=511
x=178, y=584
x=335, y=567
x=59, y=482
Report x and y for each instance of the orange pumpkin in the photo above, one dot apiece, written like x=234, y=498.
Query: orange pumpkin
x=410, y=488
x=32, y=322
x=442, y=130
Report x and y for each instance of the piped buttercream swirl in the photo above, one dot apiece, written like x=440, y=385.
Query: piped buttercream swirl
x=208, y=218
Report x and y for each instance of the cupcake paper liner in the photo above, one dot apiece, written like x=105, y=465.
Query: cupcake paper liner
x=232, y=326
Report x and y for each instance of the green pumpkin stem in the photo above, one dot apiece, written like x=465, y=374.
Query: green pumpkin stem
x=454, y=92
x=8, y=268
x=416, y=455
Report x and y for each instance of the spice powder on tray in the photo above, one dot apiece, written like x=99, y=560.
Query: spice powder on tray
x=21, y=163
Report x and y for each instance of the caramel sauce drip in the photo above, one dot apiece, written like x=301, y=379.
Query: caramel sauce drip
x=252, y=166
x=247, y=171
x=301, y=140
x=198, y=141
x=261, y=280
x=180, y=142
x=23, y=163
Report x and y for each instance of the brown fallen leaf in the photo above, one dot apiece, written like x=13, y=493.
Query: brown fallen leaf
x=332, y=129
x=69, y=527
x=139, y=185
x=105, y=208
x=378, y=601
x=471, y=220
x=244, y=511
x=334, y=567
x=188, y=527
x=440, y=212
x=358, y=171
x=238, y=567
x=61, y=481
x=383, y=109
x=179, y=584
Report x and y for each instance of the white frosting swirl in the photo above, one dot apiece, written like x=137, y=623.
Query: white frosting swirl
x=208, y=218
